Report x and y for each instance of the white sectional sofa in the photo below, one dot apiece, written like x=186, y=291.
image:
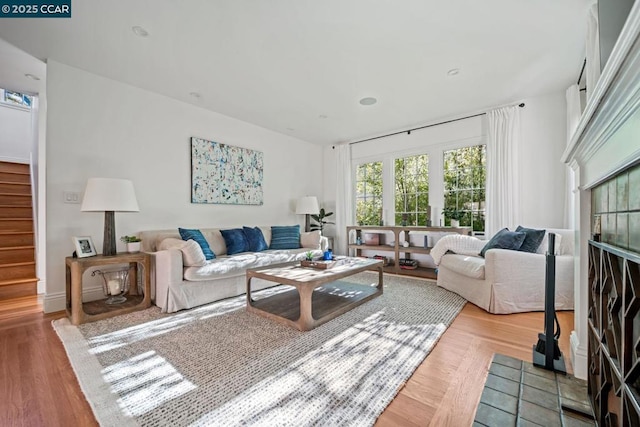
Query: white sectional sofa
x=509, y=281
x=176, y=286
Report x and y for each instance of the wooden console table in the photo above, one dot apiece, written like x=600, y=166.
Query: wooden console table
x=80, y=312
x=400, y=234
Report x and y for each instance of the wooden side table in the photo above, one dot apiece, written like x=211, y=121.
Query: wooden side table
x=80, y=312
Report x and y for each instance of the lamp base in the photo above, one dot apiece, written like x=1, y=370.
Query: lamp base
x=307, y=223
x=109, y=239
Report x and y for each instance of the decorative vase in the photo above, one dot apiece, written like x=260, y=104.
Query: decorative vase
x=114, y=284
x=455, y=223
x=133, y=247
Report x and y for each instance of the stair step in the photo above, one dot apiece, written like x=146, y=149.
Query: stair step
x=17, y=254
x=18, y=288
x=16, y=238
x=15, y=199
x=17, y=271
x=15, y=188
x=15, y=177
x=21, y=168
x=16, y=224
x=8, y=211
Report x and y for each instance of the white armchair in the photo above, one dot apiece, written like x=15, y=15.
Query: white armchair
x=507, y=281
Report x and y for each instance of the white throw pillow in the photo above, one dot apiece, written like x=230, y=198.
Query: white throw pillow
x=544, y=245
x=170, y=243
x=310, y=239
x=192, y=254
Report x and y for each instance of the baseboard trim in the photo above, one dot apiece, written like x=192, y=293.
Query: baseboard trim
x=58, y=301
x=579, y=358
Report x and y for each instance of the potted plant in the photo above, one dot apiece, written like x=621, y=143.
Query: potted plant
x=132, y=242
x=309, y=256
x=320, y=219
x=454, y=216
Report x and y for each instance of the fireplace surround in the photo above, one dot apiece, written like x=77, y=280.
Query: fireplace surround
x=604, y=158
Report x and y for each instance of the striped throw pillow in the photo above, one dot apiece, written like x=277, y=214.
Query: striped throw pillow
x=196, y=235
x=285, y=237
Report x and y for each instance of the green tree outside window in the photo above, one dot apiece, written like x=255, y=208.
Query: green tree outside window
x=369, y=193
x=465, y=176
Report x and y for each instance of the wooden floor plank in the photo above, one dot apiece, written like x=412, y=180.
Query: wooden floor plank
x=39, y=387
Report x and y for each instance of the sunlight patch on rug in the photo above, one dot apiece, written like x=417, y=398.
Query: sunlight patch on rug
x=347, y=365
x=147, y=380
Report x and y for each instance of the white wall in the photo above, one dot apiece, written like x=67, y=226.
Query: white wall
x=16, y=136
x=542, y=174
x=98, y=127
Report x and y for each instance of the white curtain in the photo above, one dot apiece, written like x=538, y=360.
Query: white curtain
x=344, y=198
x=574, y=111
x=593, y=50
x=503, y=203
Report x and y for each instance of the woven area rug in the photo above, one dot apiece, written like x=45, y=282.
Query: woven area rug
x=219, y=365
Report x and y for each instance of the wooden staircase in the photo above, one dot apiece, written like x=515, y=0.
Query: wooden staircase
x=17, y=250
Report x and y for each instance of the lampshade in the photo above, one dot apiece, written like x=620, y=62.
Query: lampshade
x=108, y=194
x=307, y=205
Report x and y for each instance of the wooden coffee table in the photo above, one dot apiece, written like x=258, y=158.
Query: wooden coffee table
x=304, y=309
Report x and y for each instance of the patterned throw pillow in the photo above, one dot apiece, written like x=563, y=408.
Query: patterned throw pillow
x=285, y=237
x=255, y=238
x=532, y=239
x=235, y=240
x=196, y=235
x=504, y=239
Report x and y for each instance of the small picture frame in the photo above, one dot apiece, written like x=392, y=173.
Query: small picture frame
x=84, y=246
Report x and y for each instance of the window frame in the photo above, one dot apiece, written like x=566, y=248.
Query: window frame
x=435, y=153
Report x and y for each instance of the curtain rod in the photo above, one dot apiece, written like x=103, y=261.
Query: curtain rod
x=408, y=131
x=584, y=64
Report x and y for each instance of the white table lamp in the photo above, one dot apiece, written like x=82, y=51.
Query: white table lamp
x=109, y=195
x=307, y=205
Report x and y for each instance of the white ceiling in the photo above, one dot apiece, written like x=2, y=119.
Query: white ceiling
x=300, y=67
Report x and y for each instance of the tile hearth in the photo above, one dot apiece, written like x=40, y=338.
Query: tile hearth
x=518, y=393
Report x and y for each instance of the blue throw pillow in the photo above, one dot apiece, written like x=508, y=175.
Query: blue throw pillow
x=504, y=239
x=532, y=239
x=285, y=237
x=194, y=234
x=255, y=239
x=235, y=240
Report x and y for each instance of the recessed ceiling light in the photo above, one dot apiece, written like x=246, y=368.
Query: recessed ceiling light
x=195, y=95
x=453, y=72
x=322, y=116
x=139, y=31
x=368, y=101
x=32, y=77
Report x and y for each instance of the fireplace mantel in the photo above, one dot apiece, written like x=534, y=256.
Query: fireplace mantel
x=606, y=139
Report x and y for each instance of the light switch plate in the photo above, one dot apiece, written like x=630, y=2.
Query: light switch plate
x=71, y=197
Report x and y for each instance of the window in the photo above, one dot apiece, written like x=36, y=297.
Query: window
x=369, y=193
x=16, y=98
x=412, y=190
x=464, y=184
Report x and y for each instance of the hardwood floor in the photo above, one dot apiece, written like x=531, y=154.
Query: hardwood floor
x=446, y=387
x=39, y=387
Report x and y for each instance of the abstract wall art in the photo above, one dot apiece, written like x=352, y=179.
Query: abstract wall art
x=224, y=174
